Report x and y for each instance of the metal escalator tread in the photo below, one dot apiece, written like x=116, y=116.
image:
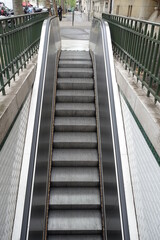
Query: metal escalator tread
x=75, y=140
x=75, y=206
x=75, y=83
x=75, y=198
x=75, y=237
x=75, y=109
x=75, y=55
x=75, y=157
x=78, y=63
x=81, y=96
x=75, y=221
x=87, y=124
x=75, y=176
x=75, y=72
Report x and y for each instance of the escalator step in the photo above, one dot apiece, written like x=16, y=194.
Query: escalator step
x=75, y=176
x=81, y=96
x=75, y=237
x=75, y=57
x=74, y=221
x=75, y=53
x=75, y=83
x=75, y=157
x=75, y=73
x=75, y=64
x=75, y=198
x=75, y=109
x=75, y=140
x=75, y=124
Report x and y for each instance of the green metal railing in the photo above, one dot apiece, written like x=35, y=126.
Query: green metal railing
x=137, y=44
x=19, y=40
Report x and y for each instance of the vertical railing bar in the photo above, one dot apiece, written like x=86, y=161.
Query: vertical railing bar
x=137, y=44
x=126, y=41
x=151, y=47
x=12, y=55
x=144, y=47
x=130, y=46
x=2, y=82
x=13, y=44
x=158, y=65
x=5, y=57
x=136, y=47
x=2, y=53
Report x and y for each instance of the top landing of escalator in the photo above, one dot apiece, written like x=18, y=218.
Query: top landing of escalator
x=75, y=35
x=81, y=19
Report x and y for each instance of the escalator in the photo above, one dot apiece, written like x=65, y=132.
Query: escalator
x=75, y=184
x=74, y=207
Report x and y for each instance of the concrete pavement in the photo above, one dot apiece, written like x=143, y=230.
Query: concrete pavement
x=75, y=36
x=80, y=20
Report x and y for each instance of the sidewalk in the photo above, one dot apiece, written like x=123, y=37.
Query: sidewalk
x=80, y=20
x=75, y=37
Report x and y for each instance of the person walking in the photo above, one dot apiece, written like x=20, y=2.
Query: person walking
x=60, y=10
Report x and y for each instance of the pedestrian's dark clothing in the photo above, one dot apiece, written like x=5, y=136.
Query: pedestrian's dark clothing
x=3, y=12
x=26, y=10
x=60, y=13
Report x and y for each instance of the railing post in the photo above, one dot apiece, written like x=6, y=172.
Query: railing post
x=73, y=17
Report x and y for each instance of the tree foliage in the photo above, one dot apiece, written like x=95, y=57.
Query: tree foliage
x=71, y=3
x=66, y=3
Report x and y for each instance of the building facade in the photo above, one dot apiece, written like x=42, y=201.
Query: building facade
x=141, y=9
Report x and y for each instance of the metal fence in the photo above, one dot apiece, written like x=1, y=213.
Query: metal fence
x=19, y=40
x=137, y=44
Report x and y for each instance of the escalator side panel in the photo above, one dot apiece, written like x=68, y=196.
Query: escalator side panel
x=113, y=228
x=38, y=214
x=41, y=147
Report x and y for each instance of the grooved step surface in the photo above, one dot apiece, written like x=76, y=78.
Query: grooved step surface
x=75, y=96
x=75, y=124
x=75, y=206
x=75, y=83
x=75, y=72
x=75, y=109
x=75, y=157
x=75, y=140
x=74, y=52
x=75, y=237
x=82, y=57
x=75, y=64
x=74, y=221
x=77, y=198
x=75, y=176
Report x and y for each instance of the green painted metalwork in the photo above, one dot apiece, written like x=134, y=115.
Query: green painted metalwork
x=19, y=40
x=137, y=44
